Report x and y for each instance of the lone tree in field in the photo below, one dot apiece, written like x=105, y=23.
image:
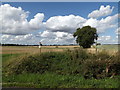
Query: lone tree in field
x=85, y=36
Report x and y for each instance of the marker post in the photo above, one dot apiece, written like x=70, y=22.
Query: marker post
x=40, y=45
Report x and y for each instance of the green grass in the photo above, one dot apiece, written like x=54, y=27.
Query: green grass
x=7, y=57
x=52, y=80
x=108, y=47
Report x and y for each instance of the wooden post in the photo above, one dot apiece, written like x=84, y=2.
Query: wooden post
x=96, y=36
x=40, y=45
x=40, y=48
x=96, y=46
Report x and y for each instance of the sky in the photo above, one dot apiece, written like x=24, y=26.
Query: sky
x=54, y=23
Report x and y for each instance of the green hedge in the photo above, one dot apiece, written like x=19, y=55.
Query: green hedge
x=74, y=62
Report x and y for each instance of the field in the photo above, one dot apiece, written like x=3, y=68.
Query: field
x=52, y=67
x=33, y=49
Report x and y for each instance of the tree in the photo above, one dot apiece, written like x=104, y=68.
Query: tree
x=85, y=36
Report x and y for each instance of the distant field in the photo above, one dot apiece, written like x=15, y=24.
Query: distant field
x=9, y=52
x=109, y=47
x=35, y=49
x=112, y=49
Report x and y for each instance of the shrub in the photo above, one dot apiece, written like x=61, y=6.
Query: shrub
x=93, y=69
x=30, y=64
x=67, y=62
x=101, y=65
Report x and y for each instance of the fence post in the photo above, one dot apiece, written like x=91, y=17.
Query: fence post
x=40, y=45
x=96, y=46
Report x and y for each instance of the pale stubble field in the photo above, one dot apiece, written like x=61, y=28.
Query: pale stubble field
x=112, y=49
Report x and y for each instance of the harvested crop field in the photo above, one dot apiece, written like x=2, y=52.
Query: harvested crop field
x=33, y=49
x=112, y=49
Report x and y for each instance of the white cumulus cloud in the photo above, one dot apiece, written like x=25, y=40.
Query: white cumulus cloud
x=49, y=37
x=14, y=20
x=103, y=24
x=103, y=11
x=20, y=39
x=64, y=23
x=107, y=39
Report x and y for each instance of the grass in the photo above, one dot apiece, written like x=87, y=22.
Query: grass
x=52, y=80
x=108, y=47
x=31, y=49
x=8, y=57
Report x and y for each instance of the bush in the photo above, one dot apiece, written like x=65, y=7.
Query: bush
x=101, y=65
x=93, y=69
x=66, y=62
x=33, y=63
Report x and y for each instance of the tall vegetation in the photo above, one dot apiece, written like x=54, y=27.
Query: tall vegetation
x=70, y=62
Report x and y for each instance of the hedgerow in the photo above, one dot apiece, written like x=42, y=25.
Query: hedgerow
x=76, y=62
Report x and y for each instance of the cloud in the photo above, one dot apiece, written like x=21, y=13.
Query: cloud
x=47, y=34
x=14, y=21
x=103, y=11
x=91, y=22
x=107, y=40
x=49, y=37
x=64, y=23
x=104, y=38
x=103, y=24
x=36, y=23
x=117, y=31
x=20, y=39
x=71, y=22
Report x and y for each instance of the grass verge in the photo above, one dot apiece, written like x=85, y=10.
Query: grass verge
x=52, y=80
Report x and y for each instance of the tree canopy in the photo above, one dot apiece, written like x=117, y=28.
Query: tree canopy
x=85, y=36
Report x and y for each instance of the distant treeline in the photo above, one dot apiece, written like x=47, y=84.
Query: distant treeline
x=33, y=45
x=47, y=45
x=16, y=45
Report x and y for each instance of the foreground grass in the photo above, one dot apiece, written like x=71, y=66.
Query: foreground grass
x=52, y=80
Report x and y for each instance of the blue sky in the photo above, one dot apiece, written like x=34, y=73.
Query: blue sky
x=52, y=9
x=62, y=8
